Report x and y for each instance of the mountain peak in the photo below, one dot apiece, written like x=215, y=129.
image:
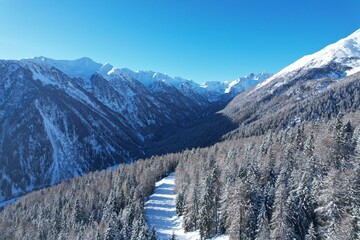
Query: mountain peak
x=82, y=67
x=345, y=54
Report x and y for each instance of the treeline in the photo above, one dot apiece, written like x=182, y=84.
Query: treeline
x=299, y=183
x=101, y=205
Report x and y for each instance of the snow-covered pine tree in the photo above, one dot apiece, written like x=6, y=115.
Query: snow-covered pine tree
x=140, y=229
x=328, y=211
x=180, y=204
x=208, y=210
x=191, y=209
x=311, y=234
x=173, y=236
x=153, y=234
x=109, y=235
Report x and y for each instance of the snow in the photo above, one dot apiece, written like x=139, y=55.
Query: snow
x=82, y=67
x=214, y=90
x=231, y=84
x=63, y=163
x=345, y=51
x=86, y=67
x=161, y=212
x=105, y=69
x=38, y=75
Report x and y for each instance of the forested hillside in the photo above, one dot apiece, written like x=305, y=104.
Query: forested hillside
x=101, y=205
x=281, y=161
x=298, y=183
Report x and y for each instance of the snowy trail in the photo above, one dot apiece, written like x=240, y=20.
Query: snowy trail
x=161, y=212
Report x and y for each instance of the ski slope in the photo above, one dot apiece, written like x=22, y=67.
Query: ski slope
x=161, y=212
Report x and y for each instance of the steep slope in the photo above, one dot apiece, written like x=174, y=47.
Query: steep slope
x=152, y=109
x=80, y=68
x=335, y=61
x=297, y=82
x=282, y=101
x=213, y=91
x=51, y=129
x=60, y=119
x=225, y=91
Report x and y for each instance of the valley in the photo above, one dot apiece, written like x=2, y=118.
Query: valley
x=261, y=157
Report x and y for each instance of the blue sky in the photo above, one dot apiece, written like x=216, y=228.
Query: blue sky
x=198, y=39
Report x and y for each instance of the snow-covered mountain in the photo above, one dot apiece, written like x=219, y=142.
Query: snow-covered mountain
x=82, y=67
x=212, y=91
x=60, y=119
x=58, y=124
x=335, y=61
x=215, y=90
x=302, y=80
x=52, y=129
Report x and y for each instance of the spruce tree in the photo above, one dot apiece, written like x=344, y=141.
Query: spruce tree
x=153, y=234
x=180, y=204
x=311, y=234
x=109, y=235
x=208, y=211
x=173, y=236
x=191, y=209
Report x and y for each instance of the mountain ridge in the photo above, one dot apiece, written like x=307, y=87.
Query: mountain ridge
x=345, y=53
x=214, y=90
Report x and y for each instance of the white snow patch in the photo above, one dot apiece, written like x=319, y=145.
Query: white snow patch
x=231, y=84
x=37, y=75
x=345, y=51
x=161, y=212
x=353, y=71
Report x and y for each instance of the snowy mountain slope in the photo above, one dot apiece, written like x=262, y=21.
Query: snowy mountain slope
x=82, y=67
x=52, y=128
x=60, y=119
x=337, y=60
x=169, y=93
x=300, y=82
x=120, y=90
x=51, y=132
x=217, y=91
x=149, y=77
x=212, y=91
x=55, y=125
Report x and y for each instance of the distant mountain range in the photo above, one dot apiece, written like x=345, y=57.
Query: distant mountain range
x=284, y=162
x=213, y=91
x=294, y=95
x=60, y=119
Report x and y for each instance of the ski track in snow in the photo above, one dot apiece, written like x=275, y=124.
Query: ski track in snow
x=161, y=212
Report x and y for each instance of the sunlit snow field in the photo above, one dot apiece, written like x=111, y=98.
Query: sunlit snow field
x=161, y=212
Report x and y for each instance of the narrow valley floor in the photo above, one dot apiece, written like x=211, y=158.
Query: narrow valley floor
x=161, y=213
